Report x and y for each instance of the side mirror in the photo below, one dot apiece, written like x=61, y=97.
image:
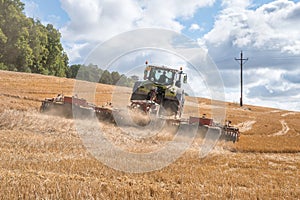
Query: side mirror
x=145, y=74
x=185, y=78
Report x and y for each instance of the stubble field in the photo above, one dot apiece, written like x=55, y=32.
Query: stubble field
x=43, y=157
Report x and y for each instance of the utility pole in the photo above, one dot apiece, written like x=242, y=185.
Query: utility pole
x=241, y=61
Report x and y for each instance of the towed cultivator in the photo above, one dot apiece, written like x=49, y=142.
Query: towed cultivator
x=68, y=106
x=160, y=95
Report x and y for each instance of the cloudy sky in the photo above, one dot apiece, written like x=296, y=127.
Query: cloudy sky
x=267, y=32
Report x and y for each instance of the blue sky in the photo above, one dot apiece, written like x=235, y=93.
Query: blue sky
x=267, y=32
x=46, y=11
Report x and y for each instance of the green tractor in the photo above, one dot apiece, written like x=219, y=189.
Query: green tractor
x=162, y=87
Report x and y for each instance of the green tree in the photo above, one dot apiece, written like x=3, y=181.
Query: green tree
x=27, y=45
x=14, y=35
x=88, y=73
x=3, y=38
x=106, y=78
x=3, y=67
x=38, y=43
x=123, y=81
x=56, y=60
x=24, y=56
x=72, y=71
x=115, y=77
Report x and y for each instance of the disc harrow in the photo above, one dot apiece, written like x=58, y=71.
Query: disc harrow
x=73, y=106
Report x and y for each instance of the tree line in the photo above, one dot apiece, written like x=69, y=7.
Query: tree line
x=93, y=73
x=26, y=45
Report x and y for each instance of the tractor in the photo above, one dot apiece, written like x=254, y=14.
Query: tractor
x=162, y=86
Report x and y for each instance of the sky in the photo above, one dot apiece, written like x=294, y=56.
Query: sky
x=265, y=30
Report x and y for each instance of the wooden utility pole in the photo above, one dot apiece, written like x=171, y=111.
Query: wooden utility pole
x=241, y=61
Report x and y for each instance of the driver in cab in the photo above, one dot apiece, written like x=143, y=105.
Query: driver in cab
x=163, y=78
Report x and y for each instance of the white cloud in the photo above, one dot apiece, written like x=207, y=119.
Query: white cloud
x=270, y=37
x=195, y=27
x=163, y=14
x=263, y=86
x=271, y=26
x=236, y=3
x=76, y=50
x=95, y=21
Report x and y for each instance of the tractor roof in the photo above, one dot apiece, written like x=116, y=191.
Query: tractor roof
x=164, y=68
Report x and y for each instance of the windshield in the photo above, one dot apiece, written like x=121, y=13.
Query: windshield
x=162, y=76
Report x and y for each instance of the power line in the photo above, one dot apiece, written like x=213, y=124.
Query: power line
x=241, y=61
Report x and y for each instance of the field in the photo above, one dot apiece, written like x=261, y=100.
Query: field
x=43, y=157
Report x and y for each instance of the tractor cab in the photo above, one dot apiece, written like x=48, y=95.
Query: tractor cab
x=165, y=76
x=161, y=86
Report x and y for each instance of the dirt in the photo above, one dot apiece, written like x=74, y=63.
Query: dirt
x=285, y=129
x=245, y=126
